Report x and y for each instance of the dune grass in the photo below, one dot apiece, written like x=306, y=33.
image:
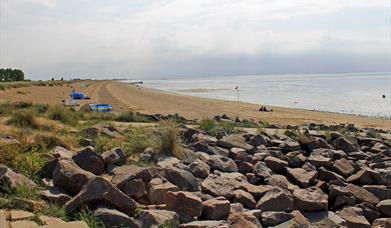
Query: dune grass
x=23, y=119
x=63, y=114
x=169, y=138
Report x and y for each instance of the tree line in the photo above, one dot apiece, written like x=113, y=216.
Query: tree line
x=11, y=74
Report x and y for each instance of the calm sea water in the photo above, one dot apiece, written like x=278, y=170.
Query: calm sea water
x=343, y=93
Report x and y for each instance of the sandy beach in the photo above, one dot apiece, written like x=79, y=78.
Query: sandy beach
x=126, y=97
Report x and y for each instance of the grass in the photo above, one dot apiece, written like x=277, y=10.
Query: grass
x=20, y=84
x=23, y=119
x=54, y=210
x=213, y=127
x=295, y=134
x=63, y=114
x=133, y=117
x=88, y=217
x=169, y=136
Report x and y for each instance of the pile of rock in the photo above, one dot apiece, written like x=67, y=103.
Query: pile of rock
x=240, y=180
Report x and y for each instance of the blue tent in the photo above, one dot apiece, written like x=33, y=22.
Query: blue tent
x=79, y=96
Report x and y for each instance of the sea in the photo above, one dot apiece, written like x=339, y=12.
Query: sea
x=367, y=94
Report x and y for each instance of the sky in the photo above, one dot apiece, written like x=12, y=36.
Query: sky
x=193, y=38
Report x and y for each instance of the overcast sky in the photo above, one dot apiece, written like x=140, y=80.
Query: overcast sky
x=180, y=38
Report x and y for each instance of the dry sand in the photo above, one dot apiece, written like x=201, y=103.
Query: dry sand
x=125, y=97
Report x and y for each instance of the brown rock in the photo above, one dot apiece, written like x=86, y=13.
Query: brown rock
x=362, y=194
x=310, y=199
x=256, y=190
x=14, y=179
x=199, y=168
x=28, y=204
x=126, y=173
x=275, y=164
x=245, y=198
x=157, y=189
x=343, y=167
x=115, y=156
x=342, y=143
x=205, y=224
x=184, y=203
x=234, y=140
x=243, y=220
x=135, y=188
x=385, y=207
x=272, y=218
x=100, y=190
x=216, y=209
x=156, y=218
x=354, y=217
x=70, y=177
x=277, y=199
x=54, y=195
x=89, y=160
x=223, y=184
x=301, y=176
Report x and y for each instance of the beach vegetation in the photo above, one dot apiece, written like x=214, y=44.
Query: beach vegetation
x=213, y=127
x=23, y=119
x=88, y=216
x=169, y=138
x=63, y=114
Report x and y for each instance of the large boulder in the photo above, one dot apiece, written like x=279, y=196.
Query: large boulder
x=221, y=163
x=158, y=218
x=354, y=217
x=362, y=194
x=70, y=177
x=216, y=209
x=385, y=207
x=234, y=140
x=185, y=204
x=157, y=190
x=199, y=168
x=115, y=156
x=245, y=198
x=380, y=191
x=113, y=218
x=301, y=176
x=100, y=190
x=185, y=180
x=54, y=195
x=277, y=199
x=223, y=184
x=124, y=174
x=343, y=167
x=89, y=160
x=342, y=143
x=262, y=171
x=310, y=199
x=13, y=179
x=275, y=164
x=243, y=219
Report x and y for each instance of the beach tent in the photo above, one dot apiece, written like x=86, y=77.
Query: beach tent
x=79, y=96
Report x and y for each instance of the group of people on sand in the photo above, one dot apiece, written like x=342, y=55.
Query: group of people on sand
x=264, y=109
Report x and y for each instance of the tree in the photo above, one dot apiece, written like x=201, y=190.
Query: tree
x=11, y=74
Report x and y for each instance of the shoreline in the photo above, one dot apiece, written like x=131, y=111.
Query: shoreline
x=125, y=97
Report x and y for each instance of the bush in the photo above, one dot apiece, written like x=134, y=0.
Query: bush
x=54, y=210
x=209, y=126
x=88, y=217
x=23, y=119
x=169, y=137
x=64, y=115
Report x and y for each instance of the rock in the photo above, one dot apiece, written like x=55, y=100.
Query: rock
x=289, y=145
x=234, y=140
x=13, y=179
x=134, y=188
x=245, y=167
x=362, y=194
x=167, y=162
x=113, y=218
x=311, y=143
x=115, y=156
x=91, y=132
x=342, y=143
x=23, y=224
x=280, y=181
x=124, y=174
x=258, y=140
x=325, y=219
x=380, y=191
x=185, y=180
x=8, y=140
x=301, y=176
x=46, y=220
x=275, y=164
x=236, y=207
x=20, y=215
x=343, y=167
x=184, y=204
x=243, y=219
x=310, y=199
x=205, y=224
x=86, y=142
x=61, y=152
x=70, y=177
x=257, y=191
x=221, y=163
x=262, y=171
x=110, y=131
x=327, y=175
x=369, y=211
x=73, y=224
x=157, y=190
x=272, y=218
x=28, y=204
x=319, y=160
x=381, y=223
x=385, y=207
x=90, y=161
x=354, y=217
x=245, y=198
x=159, y=218
x=199, y=168
x=216, y=209
x=277, y=199
x=365, y=177
x=295, y=159
x=148, y=155
x=223, y=184
x=100, y=190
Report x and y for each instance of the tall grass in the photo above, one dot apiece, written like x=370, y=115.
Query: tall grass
x=63, y=114
x=23, y=119
x=88, y=217
x=169, y=137
x=213, y=127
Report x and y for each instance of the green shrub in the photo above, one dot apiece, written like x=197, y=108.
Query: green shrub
x=138, y=139
x=54, y=210
x=23, y=119
x=209, y=126
x=63, y=114
x=228, y=127
x=88, y=217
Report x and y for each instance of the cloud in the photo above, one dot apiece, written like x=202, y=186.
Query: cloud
x=149, y=37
